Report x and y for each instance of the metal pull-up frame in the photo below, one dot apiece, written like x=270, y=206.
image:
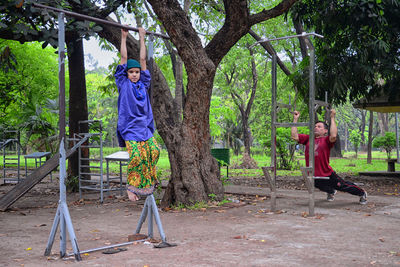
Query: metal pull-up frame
x=275, y=106
x=62, y=216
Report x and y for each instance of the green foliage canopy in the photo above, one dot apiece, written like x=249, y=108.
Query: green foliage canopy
x=360, y=52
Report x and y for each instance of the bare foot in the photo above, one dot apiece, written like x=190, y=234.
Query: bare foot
x=132, y=196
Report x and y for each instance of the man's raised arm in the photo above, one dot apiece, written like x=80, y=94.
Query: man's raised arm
x=295, y=135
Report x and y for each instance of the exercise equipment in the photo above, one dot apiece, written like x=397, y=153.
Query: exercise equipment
x=308, y=173
x=62, y=216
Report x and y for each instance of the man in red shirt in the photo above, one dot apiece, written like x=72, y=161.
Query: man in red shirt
x=322, y=147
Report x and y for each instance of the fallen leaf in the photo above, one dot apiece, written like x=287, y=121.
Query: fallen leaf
x=220, y=211
x=28, y=249
x=40, y=225
x=382, y=239
x=237, y=237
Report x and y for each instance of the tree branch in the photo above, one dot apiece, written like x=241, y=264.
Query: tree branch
x=274, y=12
x=270, y=49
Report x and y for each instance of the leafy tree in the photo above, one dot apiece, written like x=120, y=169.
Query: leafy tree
x=359, y=53
x=240, y=81
x=285, y=148
x=26, y=24
x=200, y=64
x=386, y=142
x=355, y=139
x=26, y=93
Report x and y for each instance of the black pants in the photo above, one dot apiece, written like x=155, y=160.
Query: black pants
x=336, y=182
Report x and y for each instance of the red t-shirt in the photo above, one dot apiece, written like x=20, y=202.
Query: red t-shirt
x=322, y=149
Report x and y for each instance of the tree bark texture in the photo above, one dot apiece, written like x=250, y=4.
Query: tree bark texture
x=336, y=150
x=383, y=122
x=370, y=137
x=78, y=110
x=362, y=130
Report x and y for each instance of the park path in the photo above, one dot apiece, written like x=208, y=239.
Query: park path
x=343, y=233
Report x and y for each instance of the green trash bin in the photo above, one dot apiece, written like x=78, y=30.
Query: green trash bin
x=222, y=156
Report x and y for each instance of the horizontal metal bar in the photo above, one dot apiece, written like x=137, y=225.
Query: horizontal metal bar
x=90, y=159
x=282, y=105
x=97, y=20
x=321, y=103
x=105, y=189
x=90, y=173
x=91, y=181
x=320, y=177
x=304, y=34
x=88, y=121
x=107, y=247
x=90, y=166
x=291, y=124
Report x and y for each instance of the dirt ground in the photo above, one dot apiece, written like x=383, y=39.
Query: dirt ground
x=244, y=233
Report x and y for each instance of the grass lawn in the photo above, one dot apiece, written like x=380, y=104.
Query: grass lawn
x=347, y=164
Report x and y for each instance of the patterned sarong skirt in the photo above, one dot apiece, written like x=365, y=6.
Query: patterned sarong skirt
x=142, y=173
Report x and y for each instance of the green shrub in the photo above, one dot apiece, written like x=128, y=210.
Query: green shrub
x=386, y=142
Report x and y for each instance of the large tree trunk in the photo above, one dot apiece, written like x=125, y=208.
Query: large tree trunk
x=336, y=150
x=383, y=122
x=370, y=137
x=362, y=130
x=78, y=110
x=194, y=172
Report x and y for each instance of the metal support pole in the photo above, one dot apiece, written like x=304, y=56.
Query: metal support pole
x=61, y=74
x=309, y=181
x=311, y=110
x=397, y=137
x=272, y=187
x=150, y=218
x=157, y=217
x=62, y=216
x=143, y=216
x=273, y=116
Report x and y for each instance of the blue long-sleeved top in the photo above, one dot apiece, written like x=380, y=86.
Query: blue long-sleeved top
x=135, y=116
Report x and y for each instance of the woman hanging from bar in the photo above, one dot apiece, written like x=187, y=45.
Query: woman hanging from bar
x=135, y=120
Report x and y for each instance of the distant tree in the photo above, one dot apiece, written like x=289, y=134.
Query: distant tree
x=386, y=142
x=355, y=139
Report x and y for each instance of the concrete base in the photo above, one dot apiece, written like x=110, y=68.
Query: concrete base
x=381, y=173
